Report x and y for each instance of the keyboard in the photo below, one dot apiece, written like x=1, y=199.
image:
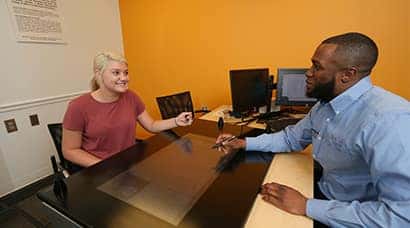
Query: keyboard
x=278, y=124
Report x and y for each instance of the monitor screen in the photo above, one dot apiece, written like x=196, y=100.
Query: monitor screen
x=291, y=87
x=250, y=89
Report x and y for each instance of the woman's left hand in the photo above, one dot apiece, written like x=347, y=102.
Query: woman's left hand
x=184, y=119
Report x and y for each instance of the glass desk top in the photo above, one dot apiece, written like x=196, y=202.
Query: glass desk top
x=172, y=179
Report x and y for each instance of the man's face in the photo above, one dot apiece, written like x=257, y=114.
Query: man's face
x=321, y=77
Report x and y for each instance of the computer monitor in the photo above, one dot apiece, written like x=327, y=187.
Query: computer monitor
x=250, y=89
x=291, y=87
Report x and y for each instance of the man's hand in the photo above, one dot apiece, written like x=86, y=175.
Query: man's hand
x=285, y=198
x=228, y=146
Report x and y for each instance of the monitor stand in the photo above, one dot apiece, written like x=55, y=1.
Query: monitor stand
x=239, y=115
x=248, y=113
x=296, y=109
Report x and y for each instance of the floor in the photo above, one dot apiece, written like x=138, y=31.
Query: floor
x=23, y=209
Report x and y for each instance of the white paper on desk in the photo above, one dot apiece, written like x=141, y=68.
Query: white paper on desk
x=168, y=183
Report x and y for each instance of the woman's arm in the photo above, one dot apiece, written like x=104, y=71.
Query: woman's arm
x=155, y=126
x=72, y=151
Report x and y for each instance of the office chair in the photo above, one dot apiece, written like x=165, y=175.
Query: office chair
x=56, y=132
x=172, y=105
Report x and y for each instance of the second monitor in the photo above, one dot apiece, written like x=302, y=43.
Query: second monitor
x=250, y=89
x=291, y=87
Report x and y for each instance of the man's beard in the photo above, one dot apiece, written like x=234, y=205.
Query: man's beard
x=323, y=92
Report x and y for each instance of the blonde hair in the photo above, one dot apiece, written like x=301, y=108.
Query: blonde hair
x=100, y=62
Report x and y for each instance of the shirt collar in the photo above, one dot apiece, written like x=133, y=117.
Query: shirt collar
x=346, y=98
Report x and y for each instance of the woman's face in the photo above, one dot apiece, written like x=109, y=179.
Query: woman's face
x=114, y=78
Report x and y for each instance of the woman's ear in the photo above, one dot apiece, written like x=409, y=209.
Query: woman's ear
x=98, y=77
x=97, y=73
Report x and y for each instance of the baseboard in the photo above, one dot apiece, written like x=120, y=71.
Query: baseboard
x=27, y=191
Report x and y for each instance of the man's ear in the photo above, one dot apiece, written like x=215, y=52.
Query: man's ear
x=345, y=78
x=349, y=75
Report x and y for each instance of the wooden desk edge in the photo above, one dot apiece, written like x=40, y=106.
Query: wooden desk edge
x=294, y=169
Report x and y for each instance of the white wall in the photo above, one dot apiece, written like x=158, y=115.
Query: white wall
x=5, y=180
x=26, y=152
x=41, y=78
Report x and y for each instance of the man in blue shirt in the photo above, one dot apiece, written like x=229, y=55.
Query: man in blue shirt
x=360, y=135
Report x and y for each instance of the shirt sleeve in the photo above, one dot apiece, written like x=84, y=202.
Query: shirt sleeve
x=74, y=118
x=292, y=138
x=386, y=149
x=139, y=104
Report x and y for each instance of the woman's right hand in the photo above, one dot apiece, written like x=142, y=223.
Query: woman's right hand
x=184, y=119
x=228, y=146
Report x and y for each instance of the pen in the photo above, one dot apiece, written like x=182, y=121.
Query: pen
x=187, y=117
x=224, y=140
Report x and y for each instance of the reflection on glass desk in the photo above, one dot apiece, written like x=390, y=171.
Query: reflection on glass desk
x=188, y=175
x=169, y=180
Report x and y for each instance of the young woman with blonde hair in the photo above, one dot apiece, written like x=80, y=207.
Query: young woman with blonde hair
x=101, y=123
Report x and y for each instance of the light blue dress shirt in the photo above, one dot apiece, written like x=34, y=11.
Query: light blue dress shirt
x=362, y=140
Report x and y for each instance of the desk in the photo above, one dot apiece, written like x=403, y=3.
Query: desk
x=219, y=112
x=227, y=202
x=292, y=169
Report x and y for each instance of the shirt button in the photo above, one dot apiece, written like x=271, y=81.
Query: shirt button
x=327, y=120
x=319, y=137
x=337, y=112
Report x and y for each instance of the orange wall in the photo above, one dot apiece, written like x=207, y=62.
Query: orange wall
x=181, y=45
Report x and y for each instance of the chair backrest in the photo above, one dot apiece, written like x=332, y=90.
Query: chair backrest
x=172, y=105
x=56, y=132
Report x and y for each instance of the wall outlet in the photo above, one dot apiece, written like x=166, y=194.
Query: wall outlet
x=11, y=125
x=34, y=120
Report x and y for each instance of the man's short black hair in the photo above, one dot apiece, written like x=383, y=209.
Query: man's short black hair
x=355, y=49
